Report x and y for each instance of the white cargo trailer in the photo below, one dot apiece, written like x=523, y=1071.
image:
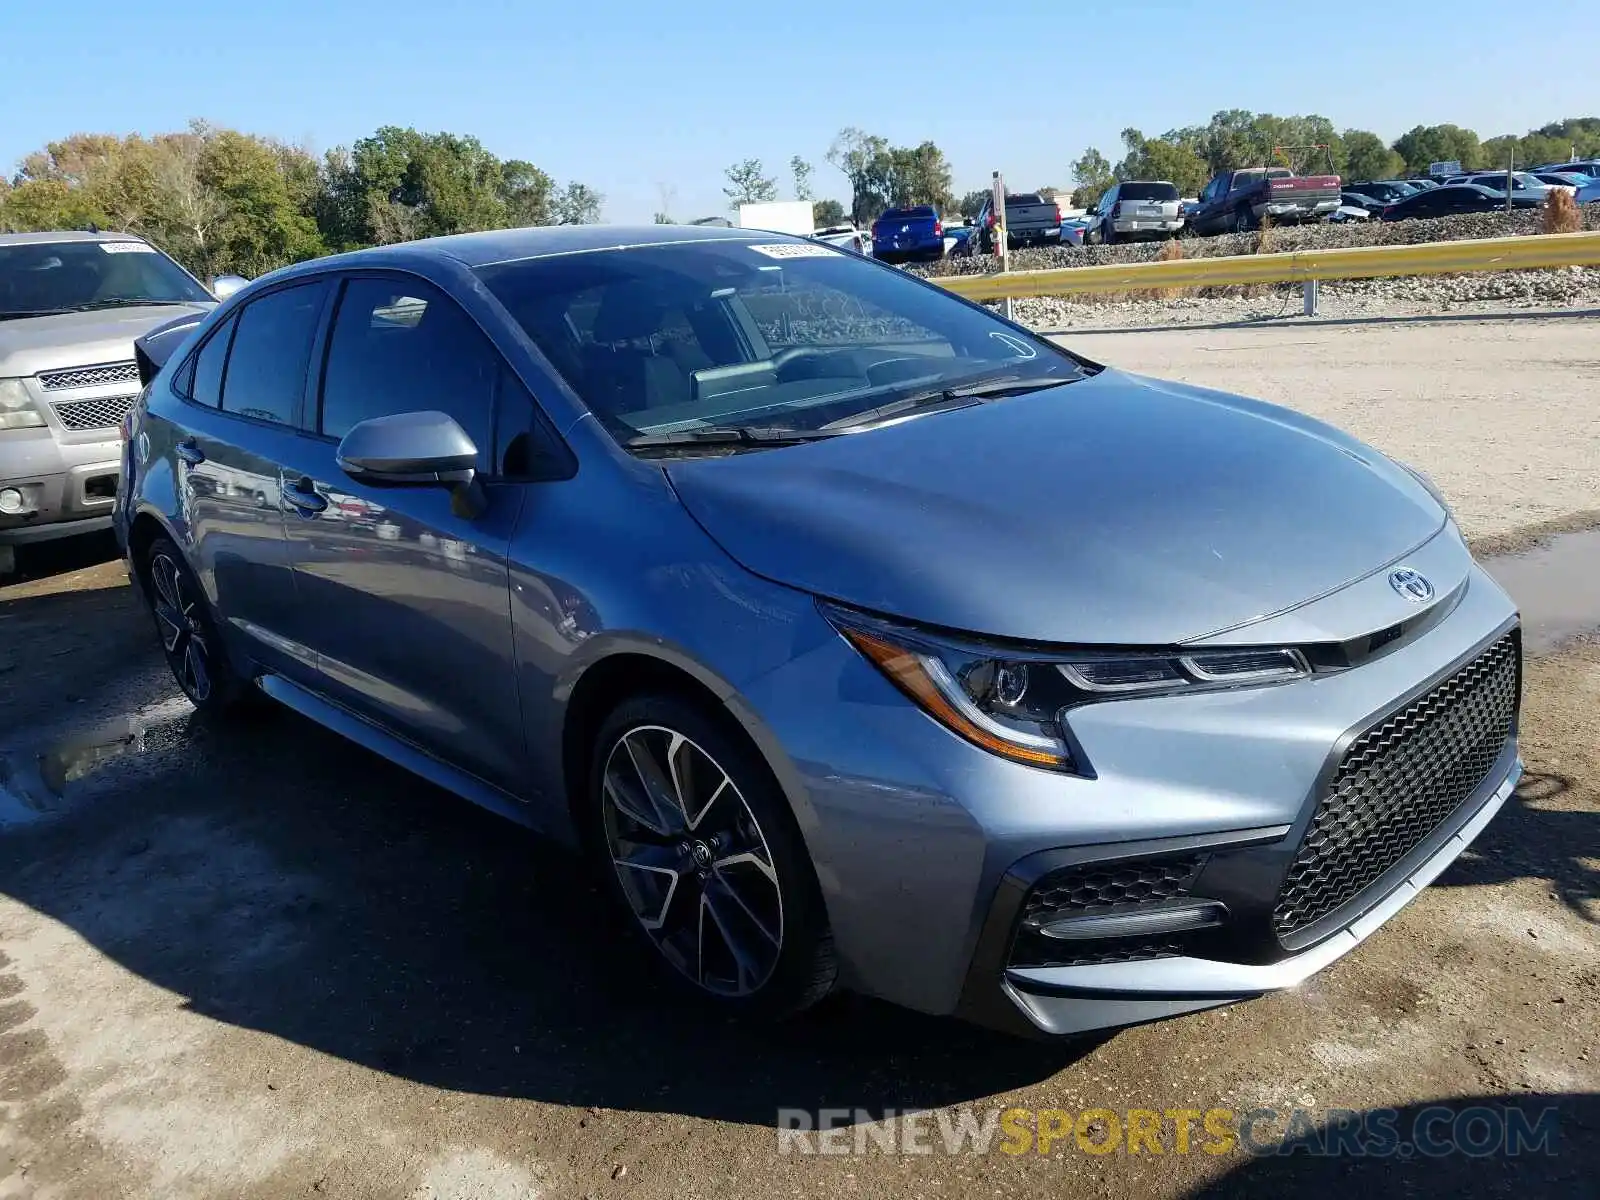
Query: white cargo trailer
x=778, y=216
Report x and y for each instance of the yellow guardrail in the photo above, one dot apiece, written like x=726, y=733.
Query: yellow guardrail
x=1350, y=262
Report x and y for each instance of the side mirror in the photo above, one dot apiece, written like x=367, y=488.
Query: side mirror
x=415, y=449
x=224, y=286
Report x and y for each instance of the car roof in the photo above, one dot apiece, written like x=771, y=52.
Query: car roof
x=509, y=245
x=64, y=235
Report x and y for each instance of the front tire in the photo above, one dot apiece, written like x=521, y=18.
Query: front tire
x=698, y=845
x=189, y=639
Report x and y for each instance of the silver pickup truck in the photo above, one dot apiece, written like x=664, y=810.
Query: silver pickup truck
x=71, y=305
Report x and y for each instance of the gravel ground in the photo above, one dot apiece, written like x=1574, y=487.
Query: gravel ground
x=1323, y=236
x=1567, y=286
x=259, y=963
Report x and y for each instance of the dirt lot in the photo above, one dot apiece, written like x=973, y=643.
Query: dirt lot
x=1499, y=410
x=260, y=962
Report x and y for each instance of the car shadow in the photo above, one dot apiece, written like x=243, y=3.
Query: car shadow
x=40, y=560
x=1526, y=840
x=283, y=880
x=1523, y=1143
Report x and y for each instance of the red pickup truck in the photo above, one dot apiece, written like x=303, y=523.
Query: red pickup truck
x=1237, y=201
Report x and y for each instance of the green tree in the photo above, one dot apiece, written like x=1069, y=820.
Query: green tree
x=577, y=204
x=1161, y=158
x=972, y=203
x=867, y=162
x=747, y=184
x=1425, y=144
x=525, y=191
x=1366, y=157
x=920, y=175
x=1091, y=176
x=827, y=212
x=801, y=170
x=261, y=228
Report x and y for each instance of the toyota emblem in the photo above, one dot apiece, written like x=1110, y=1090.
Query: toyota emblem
x=1413, y=585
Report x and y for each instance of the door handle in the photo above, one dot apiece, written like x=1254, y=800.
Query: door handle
x=305, y=497
x=190, y=452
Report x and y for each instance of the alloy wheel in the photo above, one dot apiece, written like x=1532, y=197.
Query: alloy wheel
x=692, y=861
x=183, y=635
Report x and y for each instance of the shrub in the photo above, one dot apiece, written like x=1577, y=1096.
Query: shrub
x=1559, y=213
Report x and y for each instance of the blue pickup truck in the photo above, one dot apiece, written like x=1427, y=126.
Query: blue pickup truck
x=905, y=234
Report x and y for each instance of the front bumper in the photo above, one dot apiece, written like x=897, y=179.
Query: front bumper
x=1060, y=1000
x=918, y=837
x=68, y=487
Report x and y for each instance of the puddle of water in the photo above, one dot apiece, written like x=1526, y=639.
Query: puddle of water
x=1557, y=587
x=34, y=785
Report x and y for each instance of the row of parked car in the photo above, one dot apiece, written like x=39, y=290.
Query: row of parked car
x=1233, y=201
x=1479, y=191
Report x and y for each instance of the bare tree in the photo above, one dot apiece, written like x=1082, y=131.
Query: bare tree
x=393, y=222
x=192, y=206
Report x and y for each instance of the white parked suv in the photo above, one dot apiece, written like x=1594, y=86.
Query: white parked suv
x=71, y=305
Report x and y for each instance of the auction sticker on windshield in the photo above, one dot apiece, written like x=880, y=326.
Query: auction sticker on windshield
x=127, y=248
x=793, y=250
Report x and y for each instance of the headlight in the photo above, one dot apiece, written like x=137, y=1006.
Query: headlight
x=17, y=409
x=1014, y=702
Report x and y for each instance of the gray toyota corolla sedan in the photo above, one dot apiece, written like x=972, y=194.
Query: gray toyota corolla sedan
x=862, y=638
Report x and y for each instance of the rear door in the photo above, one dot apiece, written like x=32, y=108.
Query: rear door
x=245, y=387
x=405, y=601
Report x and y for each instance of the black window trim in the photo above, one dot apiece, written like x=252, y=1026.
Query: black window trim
x=564, y=464
x=231, y=321
x=187, y=369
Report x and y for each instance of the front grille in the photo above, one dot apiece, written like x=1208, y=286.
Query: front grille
x=1097, y=888
x=82, y=377
x=1398, y=782
x=104, y=412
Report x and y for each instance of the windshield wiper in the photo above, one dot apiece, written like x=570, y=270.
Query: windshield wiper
x=727, y=435
x=940, y=400
x=121, y=302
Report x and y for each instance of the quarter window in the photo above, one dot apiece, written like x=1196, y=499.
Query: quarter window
x=403, y=346
x=202, y=378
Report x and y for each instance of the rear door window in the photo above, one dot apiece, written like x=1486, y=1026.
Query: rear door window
x=266, y=372
x=1149, y=191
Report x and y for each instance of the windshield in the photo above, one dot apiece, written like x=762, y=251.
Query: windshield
x=720, y=334
x=39, y=278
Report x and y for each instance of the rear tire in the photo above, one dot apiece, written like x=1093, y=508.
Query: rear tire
x=188, y=632
x=695, y=841
x=1244, y=220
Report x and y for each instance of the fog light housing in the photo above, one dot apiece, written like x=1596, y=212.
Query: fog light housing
x=12, y=501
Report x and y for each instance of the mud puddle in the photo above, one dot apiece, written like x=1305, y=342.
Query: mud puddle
x=37, y=783
x=1557, y=587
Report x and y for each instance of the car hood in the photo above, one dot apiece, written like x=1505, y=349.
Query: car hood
x=32, y=344
x=1119, y=511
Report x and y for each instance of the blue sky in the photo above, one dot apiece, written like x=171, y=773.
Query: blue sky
x=630, y=97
